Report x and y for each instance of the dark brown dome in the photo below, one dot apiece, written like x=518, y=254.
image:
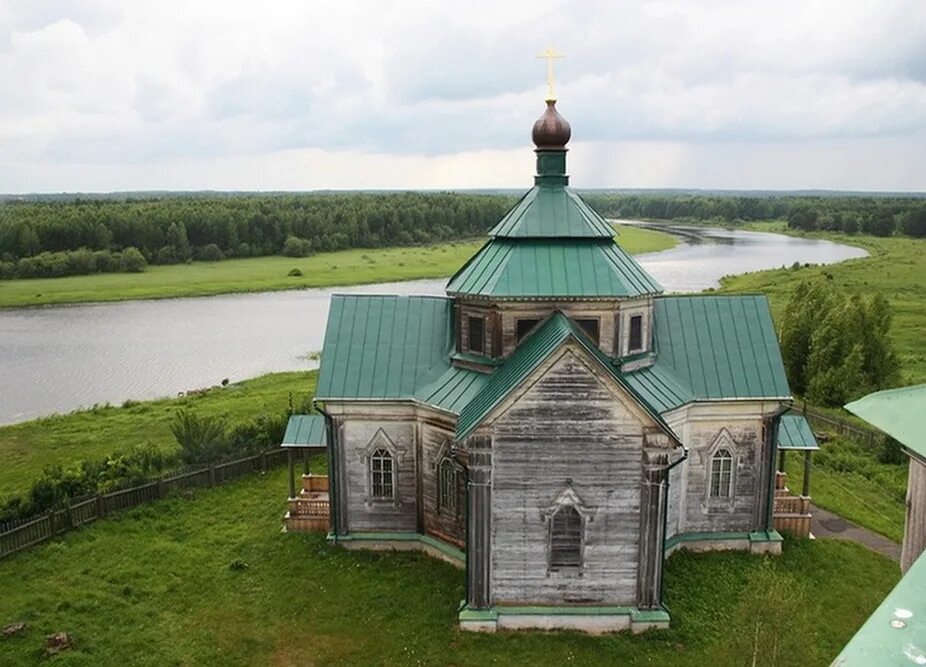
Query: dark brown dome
x=551, y=131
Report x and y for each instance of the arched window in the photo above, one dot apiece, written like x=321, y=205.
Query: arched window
x=722, y=474
x=565, y=538
x=382, y=475
x=447, y=486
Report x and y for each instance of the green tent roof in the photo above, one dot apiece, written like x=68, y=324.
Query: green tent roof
x=901, y=413
x=453, y=389
x=894, y=634
x=659, y=387
x=720, y=346
x=552, y=212
x=381, y=347
x=526, y=358
x=795, y=433
x=305, y=431
x=535, y=268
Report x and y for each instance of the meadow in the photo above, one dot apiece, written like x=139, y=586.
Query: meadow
x=262, y=274
x=212, y=580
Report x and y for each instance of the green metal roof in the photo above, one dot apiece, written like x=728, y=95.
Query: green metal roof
x=795, y=433
x=659, y=387
x=720, y=346
x=552, y=212
x=506, y=268
x=895, y=634
x=901, y=413
x=305, y=431
x=526, y=358
x=452, y=390
x=380, y=347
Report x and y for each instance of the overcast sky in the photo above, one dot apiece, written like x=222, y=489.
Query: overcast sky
x=104, y=95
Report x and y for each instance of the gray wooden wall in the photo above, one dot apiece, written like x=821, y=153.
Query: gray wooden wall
x=438, y=521
x=567, y=426
x=914, y=541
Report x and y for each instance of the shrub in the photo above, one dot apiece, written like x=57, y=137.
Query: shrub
x=133, y=261
x=209, y=253
x=201, y=438
x=297, y=247
x=294, y=273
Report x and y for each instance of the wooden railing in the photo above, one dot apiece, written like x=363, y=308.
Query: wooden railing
x=24, y=533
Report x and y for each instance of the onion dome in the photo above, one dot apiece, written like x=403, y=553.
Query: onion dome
x=551, y=131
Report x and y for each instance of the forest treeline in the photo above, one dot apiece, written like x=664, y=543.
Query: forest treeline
x=878, y=216
x=50, y=238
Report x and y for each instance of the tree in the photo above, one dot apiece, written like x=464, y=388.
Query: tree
x=803, y=217
x=805, y=312
x=133, y=261
x=177, y=239
x=913, y=223
x=879, y=223
x=297, y=247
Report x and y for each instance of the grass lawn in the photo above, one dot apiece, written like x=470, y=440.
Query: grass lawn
x=896, y=269
x=154, y=586
x=261, y=274
x=28, y=447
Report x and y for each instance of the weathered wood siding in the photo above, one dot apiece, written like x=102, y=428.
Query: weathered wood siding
x=914, y=541
x=364, y=514
x=604, y=312
x=567, y=429
x=675, y=500
x=735, y=514
x=438, y=521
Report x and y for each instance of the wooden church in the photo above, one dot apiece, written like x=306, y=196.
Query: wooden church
x=555, y=424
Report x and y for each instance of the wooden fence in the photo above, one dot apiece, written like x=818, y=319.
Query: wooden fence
x=18, y=535
x=869, y=437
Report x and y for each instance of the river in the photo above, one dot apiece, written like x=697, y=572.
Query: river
x=60, y=358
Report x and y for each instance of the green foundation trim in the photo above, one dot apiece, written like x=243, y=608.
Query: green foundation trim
x=753, y=537
x=443, y=547
x=636, y=615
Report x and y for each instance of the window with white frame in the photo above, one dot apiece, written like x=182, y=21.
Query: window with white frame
x=447, y=486
x=565, y=538
x=382, y=475
x=721, y=474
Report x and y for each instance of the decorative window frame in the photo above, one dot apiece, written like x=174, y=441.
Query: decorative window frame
x=485, y=330
x=723, y=441
x=642, y=348
x=567, y=498
x=381, y=440
x=446, y=452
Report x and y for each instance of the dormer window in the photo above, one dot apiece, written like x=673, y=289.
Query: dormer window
x=635, y=339
x=590, y=327
x=525, y=326
x=476, y=327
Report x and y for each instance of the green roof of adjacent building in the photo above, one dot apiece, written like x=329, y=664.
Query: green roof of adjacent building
x=453, y=389
x=526, y=358
x=557, y=211
x=305, y=431
x=720, y=346
x=795, y=433
x=895, y=634
x=383, y=347
x=901, y=413
x=566, y=268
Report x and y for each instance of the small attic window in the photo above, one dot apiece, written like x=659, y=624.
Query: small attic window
x=476, y=334
x=635, y=342
x=590, y=327
x=525, y=326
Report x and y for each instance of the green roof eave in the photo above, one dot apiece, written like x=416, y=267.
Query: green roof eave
x=552, y=211
x=305, y=431
x=898, y=412
x=552, y=268
x=538, y=346
x=794, y=432
x=893, y=634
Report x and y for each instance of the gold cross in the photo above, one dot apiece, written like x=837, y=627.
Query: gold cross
x=550, y=55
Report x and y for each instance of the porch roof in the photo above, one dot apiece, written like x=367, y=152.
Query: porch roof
x=897, y=412
x=305, y=431
x=794, y=432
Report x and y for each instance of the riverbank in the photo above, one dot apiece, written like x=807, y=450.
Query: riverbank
x=61, y=440
x=265, y=274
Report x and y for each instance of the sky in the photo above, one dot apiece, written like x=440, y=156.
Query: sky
x=109, y=95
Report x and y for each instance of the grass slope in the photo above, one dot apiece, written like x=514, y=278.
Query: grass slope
x=896, y=269
x=260, y=274
x=154, y=586
x=28, y=447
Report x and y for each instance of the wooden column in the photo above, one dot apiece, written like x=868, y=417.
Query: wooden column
x=305, y=460
x=806, y=490
x=652, y=517
x=292, y=473
x=781, y=460
x=478, y=538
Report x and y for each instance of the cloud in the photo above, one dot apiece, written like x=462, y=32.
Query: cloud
x=116, y=90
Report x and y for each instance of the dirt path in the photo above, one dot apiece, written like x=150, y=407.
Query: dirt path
x=826, y=525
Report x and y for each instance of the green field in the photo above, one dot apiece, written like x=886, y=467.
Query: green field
x=157, y=586
x=28, y=447
x=261, y=274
